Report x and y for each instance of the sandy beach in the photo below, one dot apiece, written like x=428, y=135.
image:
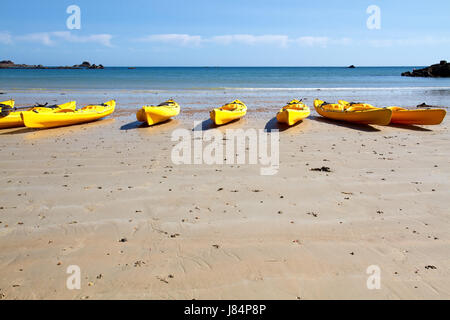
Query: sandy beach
x=106, y=197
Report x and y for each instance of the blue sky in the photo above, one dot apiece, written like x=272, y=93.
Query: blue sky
x=226, y=32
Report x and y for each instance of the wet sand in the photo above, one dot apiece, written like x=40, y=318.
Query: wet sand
x=106, y=197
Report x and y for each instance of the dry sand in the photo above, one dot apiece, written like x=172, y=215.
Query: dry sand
x=68, y=196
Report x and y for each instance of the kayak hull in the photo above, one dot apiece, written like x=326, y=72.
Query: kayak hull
x=337, y=112
x=8, y=103
x=220, y=117
x=14, y=119
x=405, y=116
x=229, y=112
x=418, y=117
x=379, y=117
x=156, y=114
x=67, y=117
x=291, y=116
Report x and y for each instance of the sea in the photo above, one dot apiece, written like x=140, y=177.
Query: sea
x=201, y=88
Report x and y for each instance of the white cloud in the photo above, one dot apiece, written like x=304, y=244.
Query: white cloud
x=342, y=41
x=284, y=41
x=5, y=37
x=248, y=39
x=406, y=42
x=313, y=41
x=380, y=43
x=42, y=37
x=51, y=38
x=245, y=39
x=322, y=42
x=180, y=39
x=103, y=39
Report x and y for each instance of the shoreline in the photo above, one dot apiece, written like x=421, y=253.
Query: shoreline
x=204, y=101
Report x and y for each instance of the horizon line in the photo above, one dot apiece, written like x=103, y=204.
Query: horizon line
x=270, y=66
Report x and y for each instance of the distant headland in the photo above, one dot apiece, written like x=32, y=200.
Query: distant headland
x=8, y=64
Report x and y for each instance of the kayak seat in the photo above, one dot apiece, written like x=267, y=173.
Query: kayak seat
x=333, y=107
x=64, y=111
x=229, y=107
x=397, y=109
x=357, y=108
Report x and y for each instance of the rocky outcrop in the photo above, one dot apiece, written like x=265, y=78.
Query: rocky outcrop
x=85, y=65
x=441, y=70
x=88, y=65
x=352, y=67
x=96, y=67
x=8, y=64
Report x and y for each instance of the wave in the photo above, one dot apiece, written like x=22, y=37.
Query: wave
x=203, y=89
x=332, y=89
x=260, y=89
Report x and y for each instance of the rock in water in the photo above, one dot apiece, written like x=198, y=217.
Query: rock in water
x=85, y=64
x=94, y=66
x=441, y=70
x=88, y=65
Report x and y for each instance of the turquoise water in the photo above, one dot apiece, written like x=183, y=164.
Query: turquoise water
x=196, y=87
x=160, y=78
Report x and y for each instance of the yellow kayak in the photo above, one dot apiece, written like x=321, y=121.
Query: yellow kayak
x=405, y=116
x=160, y=113
x=337, y=111
x=13, y=119
x=9, y=103
x=419, y=116
x=67, y=117
x=293, y=112
x=8, y=121
x=229, y=112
